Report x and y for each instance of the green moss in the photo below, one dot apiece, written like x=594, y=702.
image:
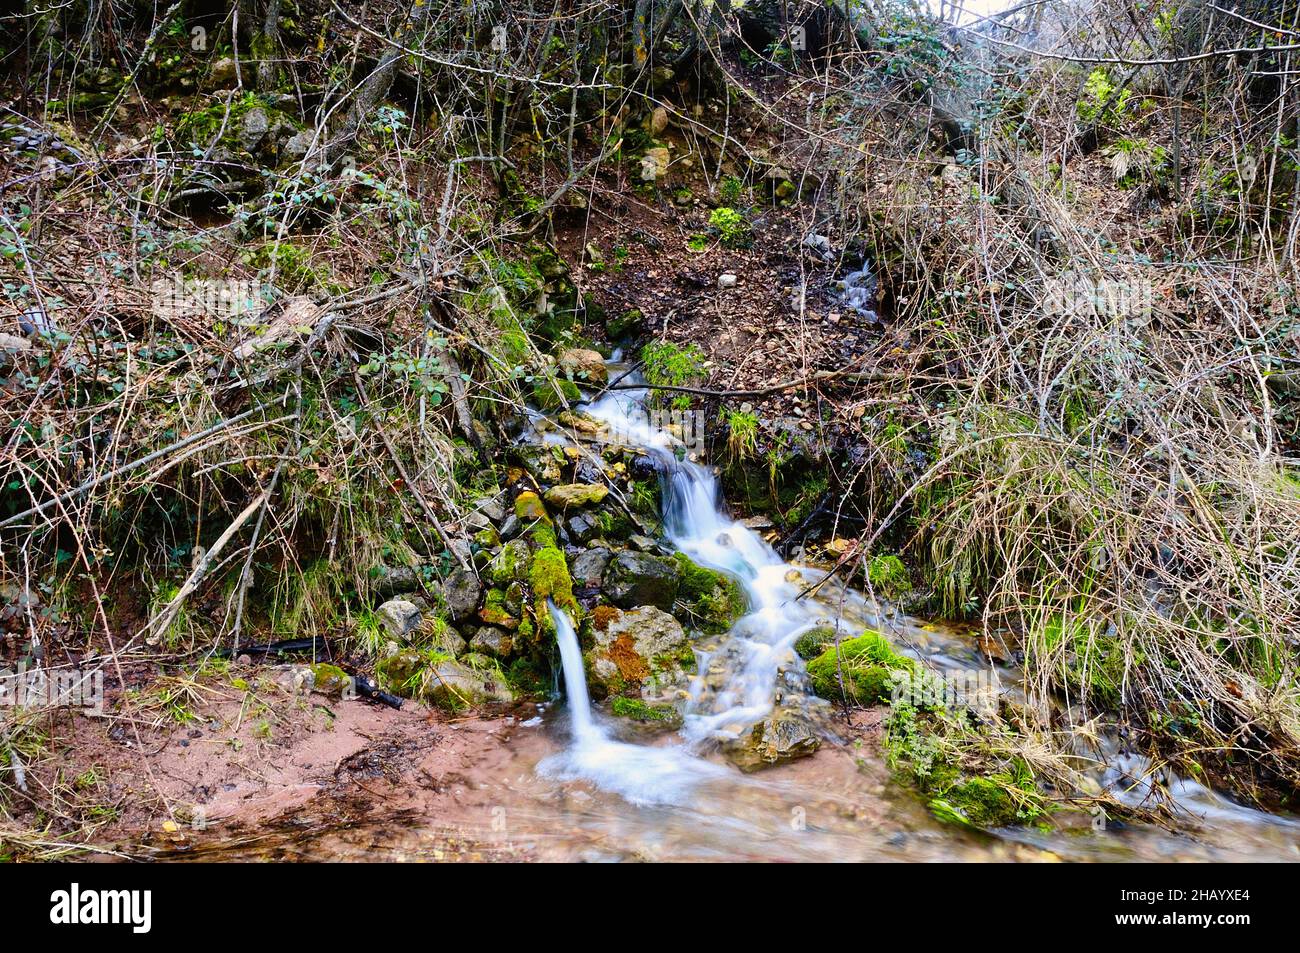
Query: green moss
x=814, y=642
x=868, y=664
x=549, y=579
x=638, y=710
x=713, y=600
x=667, y=364
x=979, y=802
x=547, y=391
x=889, y=577
x=625, y=325
x=494, y=610
x=329, y=679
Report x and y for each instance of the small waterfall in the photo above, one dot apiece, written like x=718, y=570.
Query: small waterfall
x=575, y=678
x=748, y=664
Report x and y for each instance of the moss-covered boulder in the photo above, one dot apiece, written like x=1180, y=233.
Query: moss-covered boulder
x=664, y=717
x=868, y=665
x=640, y=579
x=329, y=680
x=709, y=600
x=575, y=494
x=815, y=641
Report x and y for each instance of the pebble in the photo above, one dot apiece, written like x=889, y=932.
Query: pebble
x=726, y=280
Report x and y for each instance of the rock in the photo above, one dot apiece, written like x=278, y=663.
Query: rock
x=299, y=145
x=461, y=591
x=639, y=579
x=658, y=121
x=819, y=245
x=454, y=685
x=815, y=641
x=726, y=280
x=511, y=564
x=391, y=580
x=223, y=73
x=510, y=527
x=447, y=640
x=583, y=527
x=654, y=163
x=489, y=640
x=584, y=364
x=330, y=680
x=399, y=618
x=589, y=567
x=576, y=494
x=638, y=653
x=784, y=736
x=253, y=128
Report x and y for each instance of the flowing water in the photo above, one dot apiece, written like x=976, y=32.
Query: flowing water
x=573, y=783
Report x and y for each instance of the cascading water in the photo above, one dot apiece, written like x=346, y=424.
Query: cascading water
x=738, y=682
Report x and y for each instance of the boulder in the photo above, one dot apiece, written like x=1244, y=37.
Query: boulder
x=588, y=569
x=640, y=579
x=576, y=494
x=462, y=591
x=584, y=364
x=489, y=640
x=785, y=735
x=641, y=653
x=400, y=618
x=253, y=128
x=454, y=685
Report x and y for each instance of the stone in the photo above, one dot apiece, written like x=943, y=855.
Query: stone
x=589, y=567
x=640, y=579
x=299, y=145
x=489, y=640
x=253, y=128
x=584, y=364
x=461, y=591
x=576, y=494
x=784, y=736
x=582, y=527
x=658, y=121
x=454, y=685
x=223, y=73
x=654, y=163
x=400, y=618
x=726, y=280
x=638, y=653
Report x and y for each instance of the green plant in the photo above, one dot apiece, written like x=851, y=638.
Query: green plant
x=730, y=227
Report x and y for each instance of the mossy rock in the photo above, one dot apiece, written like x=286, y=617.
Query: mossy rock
x=664, y=716
x=711, y=600
x=868, y=664
x=329, y=680
x=547, y=392
x=814, y=642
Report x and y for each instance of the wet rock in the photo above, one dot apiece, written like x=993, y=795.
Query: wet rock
x=489, y=640
x=584, y=364
x=786, y=735
x=400, y=618
x=462, y=591
x=640, y=579
x=643, y=467
x=638, y=653
x=576, y=494
x=589, y=567
x=815, y=641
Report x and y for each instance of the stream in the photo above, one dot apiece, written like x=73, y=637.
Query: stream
x=571, y=782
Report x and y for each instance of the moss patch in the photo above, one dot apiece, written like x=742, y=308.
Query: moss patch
x=712, y=600
x=867, y=663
